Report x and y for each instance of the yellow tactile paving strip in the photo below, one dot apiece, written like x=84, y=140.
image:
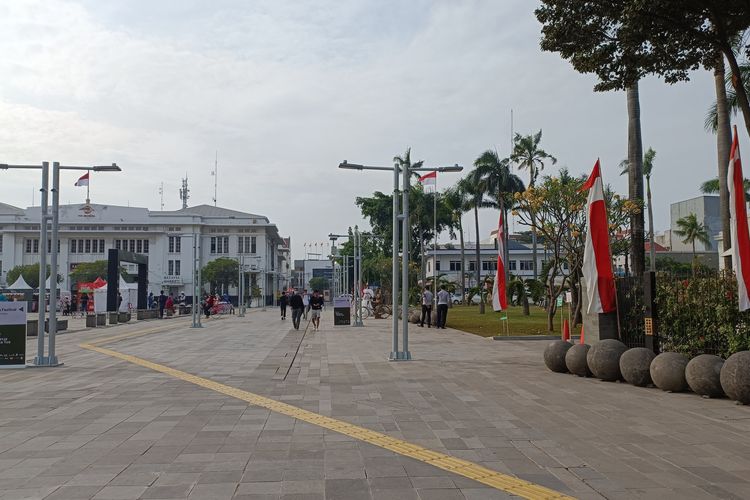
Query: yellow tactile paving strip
x=504, y=482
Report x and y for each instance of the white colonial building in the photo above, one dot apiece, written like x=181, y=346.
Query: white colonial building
x=87, y=232
x=449, y=265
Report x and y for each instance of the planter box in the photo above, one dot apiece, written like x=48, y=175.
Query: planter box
x=62, y=325
x=32, y=327
x=101, y=319
x=113, y=317
x=123, y=317
x=91, y=321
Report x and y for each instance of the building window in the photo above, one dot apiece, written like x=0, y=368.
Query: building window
x=145, y=246
x=472, y=266
x=177, y=268
x=101, y=246
x=219, y=244
x=175, y=244
x=49, y=245
x=132, y=246
x=511, y=265
x=527, y=265
x=139, y=246
x=170, y=267
x=252, y=244
x=455, y=265
x=1, y=243
x=73, y=246
x=489, y=265
x=88, y=246
x=117, y=245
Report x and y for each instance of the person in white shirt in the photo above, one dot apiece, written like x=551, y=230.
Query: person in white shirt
x=426, y=307
x=443, y=299
x=306, y=302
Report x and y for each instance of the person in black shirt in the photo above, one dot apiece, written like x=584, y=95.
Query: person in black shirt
x=316, y=306
x=283, y=301
x=298, y=307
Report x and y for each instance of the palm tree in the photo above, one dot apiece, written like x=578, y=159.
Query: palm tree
x=475, y=189
x=527, y=155
x=501, y=184
x=648, y=165
x=455, y=199
x=712, y=186
x=691, y=229
x=635, y=178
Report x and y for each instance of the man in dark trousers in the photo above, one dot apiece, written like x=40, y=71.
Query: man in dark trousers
x=162, y=303
x=283, y=301
x=298, y=308
x=443, y=298
x=426, y=307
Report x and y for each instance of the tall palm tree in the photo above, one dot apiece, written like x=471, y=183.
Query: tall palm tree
x=712, y=186
x=648, y=165
x=527, y=155
x=635, y=178
x=455, y=199
x=501, y=184
x=476, y=189
x=691, y=229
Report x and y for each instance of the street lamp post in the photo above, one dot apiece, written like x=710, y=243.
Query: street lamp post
x=51, y=358
x=406, y=171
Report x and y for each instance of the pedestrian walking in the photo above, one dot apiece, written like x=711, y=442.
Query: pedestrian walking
x=283, y=301
x=84, y=304
x=119, y=300
x=443, y=299
x=150, y=300
x=306, y=302
x=316, y=307
x=426, y=307
x=298, y=309
x=162, y=303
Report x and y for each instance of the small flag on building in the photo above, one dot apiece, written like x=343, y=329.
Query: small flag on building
x=738, y=224
x=83, y=180
x=499, y=297
x=597, y=260
x=429, y=179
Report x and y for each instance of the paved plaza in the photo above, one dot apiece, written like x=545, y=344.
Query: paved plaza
x=158, y=410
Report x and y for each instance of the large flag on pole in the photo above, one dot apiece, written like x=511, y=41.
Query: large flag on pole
x=83, y=180
x=738, y=224
x=429, y=179
x=499, y=297
x=597, y=260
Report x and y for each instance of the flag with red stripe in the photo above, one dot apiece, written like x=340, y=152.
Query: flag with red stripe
x=738, y=224
x=499, y=297
x=597, y=260
x=429, y=179
x=83, y=180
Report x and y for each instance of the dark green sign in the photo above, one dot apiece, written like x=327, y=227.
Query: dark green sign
x=12, y=334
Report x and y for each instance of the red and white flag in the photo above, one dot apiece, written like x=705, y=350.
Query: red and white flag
x=597, y=260
x=738, y=224
x=83, y=180
x=499, y=297
x=429, y=179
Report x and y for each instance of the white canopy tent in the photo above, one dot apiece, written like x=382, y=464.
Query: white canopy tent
x=20, y=284
x=129, y=292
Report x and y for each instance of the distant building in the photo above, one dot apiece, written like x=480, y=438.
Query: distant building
x=89, y=231
x=706, y=210
x=307, y=269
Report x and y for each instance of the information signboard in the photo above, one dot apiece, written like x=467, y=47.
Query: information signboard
x=12, y=334
x=341, y=311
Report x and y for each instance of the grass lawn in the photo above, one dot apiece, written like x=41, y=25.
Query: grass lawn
x=468, y=319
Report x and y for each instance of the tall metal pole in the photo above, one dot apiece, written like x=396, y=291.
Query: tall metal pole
x=51, y=357
x=239, y=287
x=357, y=279
x=40, y=360
x=406, y=232
x=196, y=281
x=360, y=284
x=394, y=275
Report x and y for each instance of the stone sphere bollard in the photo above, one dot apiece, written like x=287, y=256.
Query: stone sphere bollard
x=414, y=317
x=554, y=355
x=575, y=360
x=635, y=366
x=604, y=359
x=668, y=371
x=703, y=375
x=735, y=377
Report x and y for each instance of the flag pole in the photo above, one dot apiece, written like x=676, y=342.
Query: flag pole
x=88, y=184
x=434, y=241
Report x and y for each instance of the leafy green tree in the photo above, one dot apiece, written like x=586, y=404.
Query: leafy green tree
x=30, y=273
x=221, y=273
x=86, y=272
x=529, y=156
x=691, y=229
x=319, y=283
x=454, y=199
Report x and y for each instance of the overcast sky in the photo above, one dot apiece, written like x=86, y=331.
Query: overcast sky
x=286, y=90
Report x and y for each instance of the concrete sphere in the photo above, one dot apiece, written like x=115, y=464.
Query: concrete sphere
x=414, y=317
x=575, y=360
x=604, y=359
x=735, y=377
x=703, y=375
x=668, y=371
x=554, y=355
x=635, y=364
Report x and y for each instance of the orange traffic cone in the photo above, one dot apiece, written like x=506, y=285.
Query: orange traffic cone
x=582, y=342
x=566, y=331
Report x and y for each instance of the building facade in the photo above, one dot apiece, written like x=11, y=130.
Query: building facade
x=448, y=263
x=706, y=210
x=88, y=231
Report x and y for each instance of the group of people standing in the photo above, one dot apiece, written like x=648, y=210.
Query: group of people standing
x=443, y=299
x=302, y=304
